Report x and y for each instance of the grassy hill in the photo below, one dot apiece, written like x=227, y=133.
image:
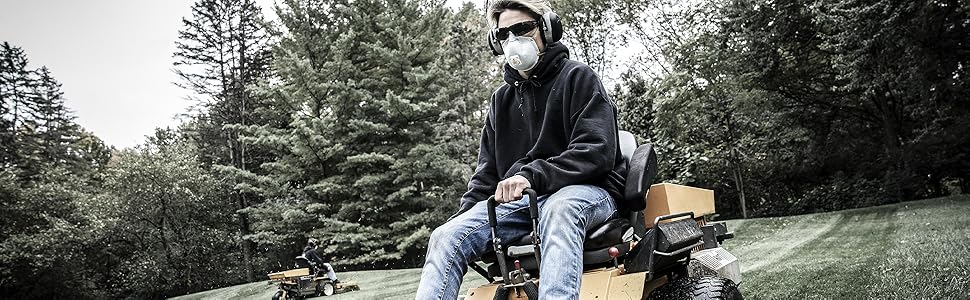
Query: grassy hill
x=912, y=250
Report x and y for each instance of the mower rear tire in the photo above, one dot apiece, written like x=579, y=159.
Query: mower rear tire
x=698, y=288
x=283, y=295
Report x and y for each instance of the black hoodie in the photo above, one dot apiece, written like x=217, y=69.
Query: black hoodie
x=556, y=128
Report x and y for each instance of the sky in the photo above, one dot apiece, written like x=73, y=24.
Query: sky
x=113, y=58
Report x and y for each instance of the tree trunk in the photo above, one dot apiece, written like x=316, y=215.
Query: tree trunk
x=897, y=176
x=739, y=183
x=221, y=42
x=246, y=245
x=241, y=203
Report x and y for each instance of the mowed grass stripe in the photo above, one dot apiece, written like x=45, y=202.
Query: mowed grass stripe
x=383, y=284
x=253, y=290
x=781, y=244
x=836, y=265
x=377, y=284
x=914, y=250
x=929, y=256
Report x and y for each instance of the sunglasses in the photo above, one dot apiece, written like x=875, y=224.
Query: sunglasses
x=518, y=29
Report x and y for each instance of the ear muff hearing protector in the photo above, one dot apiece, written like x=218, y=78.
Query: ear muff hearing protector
x=550, y=30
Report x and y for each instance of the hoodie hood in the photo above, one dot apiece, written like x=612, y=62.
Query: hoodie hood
x=549, y=64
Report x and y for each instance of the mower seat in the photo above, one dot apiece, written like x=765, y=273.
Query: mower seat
x=595, y=248
x=617, y=232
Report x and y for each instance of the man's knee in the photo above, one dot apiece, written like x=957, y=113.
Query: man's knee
x=445, y=236
x=570, y=201
x=462, y=237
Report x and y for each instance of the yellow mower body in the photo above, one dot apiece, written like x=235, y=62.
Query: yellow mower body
x=298, y=283
x=615, y=283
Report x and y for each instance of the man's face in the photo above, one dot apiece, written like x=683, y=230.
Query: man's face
x=513, y=16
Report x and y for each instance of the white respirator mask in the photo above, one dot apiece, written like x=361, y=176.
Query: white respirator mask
x=521, y=52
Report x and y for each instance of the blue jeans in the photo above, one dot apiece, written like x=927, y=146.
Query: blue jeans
x=330, y=273
x=564, y=218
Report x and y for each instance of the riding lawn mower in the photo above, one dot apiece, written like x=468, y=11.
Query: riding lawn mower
x=300, y=282
x=666, y=249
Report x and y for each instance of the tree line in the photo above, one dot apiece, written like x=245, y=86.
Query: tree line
x=356, y=122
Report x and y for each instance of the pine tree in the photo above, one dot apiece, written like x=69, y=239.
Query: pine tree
x=38, y=130
x=385, y=121
x=56, y=130
x=222, y=50
x=49, y=171
x=15, y=93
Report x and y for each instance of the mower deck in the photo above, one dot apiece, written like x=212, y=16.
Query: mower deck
x=598, y=284
x=344, y=287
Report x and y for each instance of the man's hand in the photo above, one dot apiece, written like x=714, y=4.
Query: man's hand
x=510, y=189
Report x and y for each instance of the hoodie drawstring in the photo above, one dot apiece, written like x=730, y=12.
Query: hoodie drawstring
x=521, y=85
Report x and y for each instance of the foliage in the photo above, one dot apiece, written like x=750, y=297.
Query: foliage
x=48, y=170
x=382, y=133
x=45, y=238
x=222, y=49
x=48, y=167
x=38, y=131
x=778, y=102
x=592, y=29
x=167, y=229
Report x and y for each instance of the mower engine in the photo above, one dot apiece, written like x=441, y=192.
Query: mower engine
x=714, y=260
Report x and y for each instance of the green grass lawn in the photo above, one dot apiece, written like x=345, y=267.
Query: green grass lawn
x=912, y=250
x=381, y=284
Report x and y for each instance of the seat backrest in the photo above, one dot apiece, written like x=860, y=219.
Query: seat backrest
x=641, y=170
x=628, y=144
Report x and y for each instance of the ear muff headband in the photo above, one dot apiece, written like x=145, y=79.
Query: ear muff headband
x=550, y=30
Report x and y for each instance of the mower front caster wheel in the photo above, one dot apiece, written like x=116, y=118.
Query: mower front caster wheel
x=530, y=289
x=325, y=289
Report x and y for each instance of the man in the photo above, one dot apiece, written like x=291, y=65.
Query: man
x=310, y=252
x=551, y=127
